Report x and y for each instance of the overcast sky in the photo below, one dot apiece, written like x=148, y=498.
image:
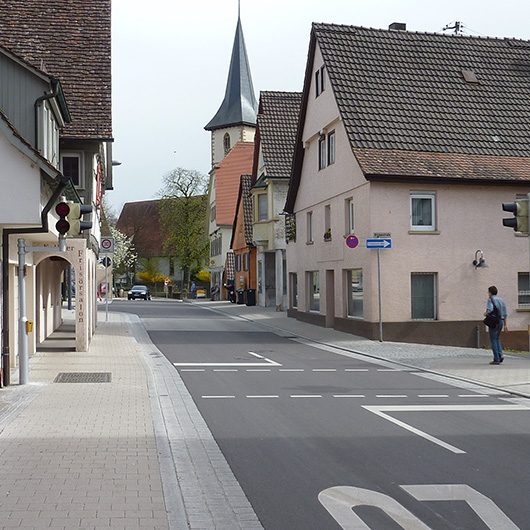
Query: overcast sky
x=171, y=58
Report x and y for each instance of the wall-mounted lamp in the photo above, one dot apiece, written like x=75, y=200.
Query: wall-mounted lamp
x=479, y=261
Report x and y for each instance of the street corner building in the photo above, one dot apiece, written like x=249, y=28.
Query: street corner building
x=414, y=140
x=56, y=147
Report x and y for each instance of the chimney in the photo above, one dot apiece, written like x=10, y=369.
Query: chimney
x=399, y=26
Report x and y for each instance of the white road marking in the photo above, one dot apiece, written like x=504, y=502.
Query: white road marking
x=225, y=370
x=218, y=397
x=356, y=370
x=472, y=395
x=256, y=397
x=349, y=395
x=268, y=362
x=290, y=370
x=324, y=370
x=391, y=395
x=192, y=370
x=433, y=395
x=306, y=396
x=258, y=370
x=483, y=506
x=388, y=370
x=380, y=411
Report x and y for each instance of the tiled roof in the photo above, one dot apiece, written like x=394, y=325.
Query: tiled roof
x=406, y=91
x=244, y=206
x=424, y=105
x=277, y=122
x=246, y=197
x=142, y=220
x=449, y=166
x=227, y=177
x=70, y=40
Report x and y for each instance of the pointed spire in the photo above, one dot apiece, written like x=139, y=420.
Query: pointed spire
x=239, y=106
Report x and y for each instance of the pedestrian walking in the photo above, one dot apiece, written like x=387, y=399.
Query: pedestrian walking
x=193, y=290
x=496, y=308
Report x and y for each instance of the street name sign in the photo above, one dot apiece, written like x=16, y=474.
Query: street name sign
x=379, y=243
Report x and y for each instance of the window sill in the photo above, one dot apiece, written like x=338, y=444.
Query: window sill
x=424, y=232
x=522, y=309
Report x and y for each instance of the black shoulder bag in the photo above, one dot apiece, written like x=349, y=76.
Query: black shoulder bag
x=493, y=319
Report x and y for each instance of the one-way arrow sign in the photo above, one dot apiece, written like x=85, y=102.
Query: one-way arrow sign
x=379, y=243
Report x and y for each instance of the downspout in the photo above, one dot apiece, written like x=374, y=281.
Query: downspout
x=6, y=359
x=38, y=101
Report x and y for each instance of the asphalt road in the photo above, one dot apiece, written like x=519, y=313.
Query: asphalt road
x=310, y=433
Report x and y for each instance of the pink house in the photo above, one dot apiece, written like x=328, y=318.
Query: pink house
x=416, y=139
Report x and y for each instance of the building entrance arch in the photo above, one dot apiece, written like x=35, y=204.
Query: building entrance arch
x=49, y=266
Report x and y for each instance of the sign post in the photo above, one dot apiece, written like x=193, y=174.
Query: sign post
x=107, y=247
x=378, y=244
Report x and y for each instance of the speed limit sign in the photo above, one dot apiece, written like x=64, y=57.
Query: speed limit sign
x=107, y=245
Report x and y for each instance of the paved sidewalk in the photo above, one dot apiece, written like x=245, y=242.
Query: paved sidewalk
x=135, y=452
x=130, y=453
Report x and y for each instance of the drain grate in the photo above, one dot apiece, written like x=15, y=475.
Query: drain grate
x=83, y=377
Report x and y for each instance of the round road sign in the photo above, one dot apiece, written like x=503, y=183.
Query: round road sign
x=352, y=241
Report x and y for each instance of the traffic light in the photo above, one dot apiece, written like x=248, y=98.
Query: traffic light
x=519, y=222
x=70, y=214
x=74, y=218
x=62, y=225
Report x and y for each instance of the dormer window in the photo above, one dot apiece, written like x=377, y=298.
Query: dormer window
x=226, y=143
x=320, y=81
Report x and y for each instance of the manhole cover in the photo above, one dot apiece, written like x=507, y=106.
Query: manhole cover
x=83, y=377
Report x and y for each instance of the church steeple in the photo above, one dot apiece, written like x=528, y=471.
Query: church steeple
x=239, y=106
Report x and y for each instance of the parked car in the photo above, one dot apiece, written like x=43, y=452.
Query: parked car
x=139, y=291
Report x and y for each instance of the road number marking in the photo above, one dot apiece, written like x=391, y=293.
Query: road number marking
x=339, y=501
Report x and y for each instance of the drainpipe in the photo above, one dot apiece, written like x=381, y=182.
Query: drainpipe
x=6, y=358
x=38, y=101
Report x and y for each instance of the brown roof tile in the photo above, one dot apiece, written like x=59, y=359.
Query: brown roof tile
x=277, y=123
x=70, y=40
x=227, y=178
x=142, y=221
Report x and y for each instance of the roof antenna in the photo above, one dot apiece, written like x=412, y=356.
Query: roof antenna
x=457, y=26
x=238, y=9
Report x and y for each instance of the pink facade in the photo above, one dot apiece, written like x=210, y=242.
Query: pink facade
x=466, y=217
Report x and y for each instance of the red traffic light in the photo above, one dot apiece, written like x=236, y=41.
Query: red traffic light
x=62, y=209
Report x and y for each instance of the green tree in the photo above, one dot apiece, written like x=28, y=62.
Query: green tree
x=183, y=218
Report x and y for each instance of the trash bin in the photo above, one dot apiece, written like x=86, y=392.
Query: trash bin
x=240, y=296
x=251, y=296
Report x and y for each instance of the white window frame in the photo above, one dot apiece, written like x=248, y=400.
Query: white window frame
x=350, y=217
x=310, y=228
x=354, y=310
x=79, y=156
x=331, y=141
x=293, y=282
x=321, y=152
x=434, y=297
x=523, y=293
x=313, y=291
x=423, y=195
x=320, y=81
x=263, y=207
